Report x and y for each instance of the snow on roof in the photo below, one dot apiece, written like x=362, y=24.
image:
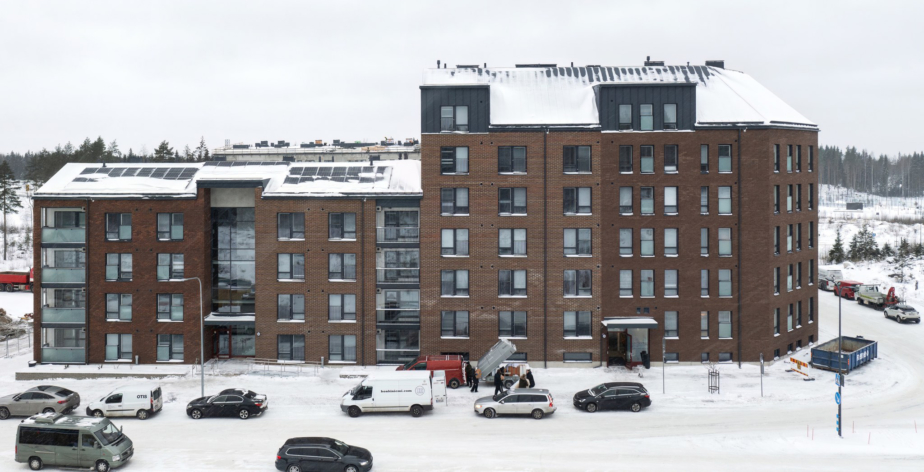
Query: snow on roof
x=279, y=179
x=567, y=95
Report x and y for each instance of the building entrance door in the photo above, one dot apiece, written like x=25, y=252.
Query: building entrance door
x=224, y=343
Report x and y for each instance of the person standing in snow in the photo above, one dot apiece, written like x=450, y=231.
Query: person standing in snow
x=469, y=373
x=523, y=383
x=499, y=381
x=475, y=380
x=529, y=377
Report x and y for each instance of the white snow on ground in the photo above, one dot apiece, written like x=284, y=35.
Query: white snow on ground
x=686, y=428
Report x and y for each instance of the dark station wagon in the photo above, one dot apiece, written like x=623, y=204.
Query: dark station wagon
x=322, y=454
x=613, y=396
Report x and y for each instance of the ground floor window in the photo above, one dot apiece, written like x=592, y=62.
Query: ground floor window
x=290, y=347
x=671, y=357
x=169, y=347
x=725, y=357
x=342, y=348
x=118, y=347
x=577, y=357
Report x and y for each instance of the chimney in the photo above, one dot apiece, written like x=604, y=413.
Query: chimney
x=717, y=64
x=650, y=63
x=437, y=63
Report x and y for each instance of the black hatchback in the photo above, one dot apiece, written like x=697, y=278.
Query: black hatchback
x=225, y=405
x=322, y=454
x=613, y=396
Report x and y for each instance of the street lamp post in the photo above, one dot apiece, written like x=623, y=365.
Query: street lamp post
x=201, y=333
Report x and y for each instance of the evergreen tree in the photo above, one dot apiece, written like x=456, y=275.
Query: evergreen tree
x=903, y=259
x=9, y=200
x=188, y=155
x=113, y=154
x=836, y=254
x=163, y=153
x=853, y=251
x=919, y=250
x=886, y=251
x=202, y=151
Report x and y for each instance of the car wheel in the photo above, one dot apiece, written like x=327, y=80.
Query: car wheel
x=416, y=411
x=898, y=318
x=350, y=468
x=354, y=412
x=101, y=466
x=4, y=413
x=591, y=407
x=537, y=414
x=508, y=384
x=454, y=383
x=35, y=463
x=142, y=414
x=195, y=414
x=293, y=468
x=636, y=407
x=48, y=410
x=490, y=413
x=98, y=413
x=243, y=414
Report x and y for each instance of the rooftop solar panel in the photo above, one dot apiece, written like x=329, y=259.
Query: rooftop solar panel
x=188, y=173
x=310, y=171
x=130, y=172
x=145, y=171
x=88, y=170
x=324, y=171
x=173, y=173
x=158, y=173
x=292, y=180
x=296, y=170
x=117, y=172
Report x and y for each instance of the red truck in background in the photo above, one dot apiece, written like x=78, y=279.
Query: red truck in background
x=12, y=280
x=453, y=365
x=846, y=288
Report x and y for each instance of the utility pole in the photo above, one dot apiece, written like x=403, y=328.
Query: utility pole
x=840, y=370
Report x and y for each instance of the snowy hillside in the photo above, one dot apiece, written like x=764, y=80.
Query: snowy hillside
x=19, y=254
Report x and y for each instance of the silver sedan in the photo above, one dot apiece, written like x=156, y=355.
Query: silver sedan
x=535, y=402
x=41, y=399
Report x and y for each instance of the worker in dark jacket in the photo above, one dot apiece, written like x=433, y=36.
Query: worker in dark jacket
x=523, y=383
x=499, y=381
x=475, y=379
x=469, y=373
x=529, y=377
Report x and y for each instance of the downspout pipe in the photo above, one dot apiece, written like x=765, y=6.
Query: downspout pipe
x=545, y=243
x=738, y=284
x=362, y=281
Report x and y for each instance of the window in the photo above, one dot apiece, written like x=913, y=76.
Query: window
x=512, y=242
x=776, y=198
x=798, y=158
x=290, y=226
x=725, y=357
x=454, y=242
x=789, y=198
x=725, y=202
x=577, y=241
x=811, y=271
x=625, y=116
x=789, y=319
x=811, y=306
x=646, y=277
x=576, y=200
x=670, y=116
x=625, y=159
x=670, y=283
x=789, y=278
x=511, y=283
x=290, y=347
x=725, y=160
x=789, y=158
x=647, y=236
x=670, y=324
x=511, y=159
x=453, y=160
x=704, y=241
x=170, y=307
x=811, y=158
x=776, y=280
x=704, y=200
x=811, y=234
x=703, y=158
x=670, y=200
x=725, y=283
x=577, y=283
x=118, y=347
x=776, y=158
x=290, y=307
x=704, y=283
x=625, y=241
x=704, y=358
x=670, y=159
x=511, y=201
x=798, y=236
x=576, y=159
x=776, y=321
x=625, y=283
x=454, y=283
x=647, y=196
x=811, y=196
x=725, y=242
x=454, y=118
x=169, y=266
x=625, y=200
x=341, y=267
x=341, y=226
x=789, y=238
x=169, y=347
x=704, y=325
x=647, y=159
x=577, y=324
x=670, y=241
x=671, y=357
x=342, y=348
x=511, y=324
x=799, y=275
x=341, y=307
x=454, y=201
x=454, y=324
x=119, y=267
x=118, y=226
x=647, y=120
x=290, y=267
x=799, y=314
x=119, y=306
x=169, y=226
x=577, y=357
x=725, y=325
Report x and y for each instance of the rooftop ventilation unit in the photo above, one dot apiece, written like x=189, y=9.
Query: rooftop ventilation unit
x=650, y=63
x=467, y=66
x=524, y=66
x=718, y=64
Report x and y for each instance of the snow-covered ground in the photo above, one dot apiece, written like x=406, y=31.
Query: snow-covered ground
x=19, y=253
x=686, y=427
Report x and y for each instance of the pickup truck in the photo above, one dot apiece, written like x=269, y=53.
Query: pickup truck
x=869, y=294
x=828, y=276
x=11, y=280
x=846, y=288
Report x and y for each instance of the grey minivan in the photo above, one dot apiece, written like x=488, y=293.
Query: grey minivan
x=72, y=441
x=41, y=399
x=535, y=402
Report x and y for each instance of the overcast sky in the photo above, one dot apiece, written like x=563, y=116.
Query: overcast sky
x=142, y=72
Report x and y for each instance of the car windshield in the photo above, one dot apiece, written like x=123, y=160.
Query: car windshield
x=63, y=392
x=598, y=389
x=211, y=399
x=499, y=396
x=340, y=447
x=409, y=364
x=108, y=435
x=356, y=388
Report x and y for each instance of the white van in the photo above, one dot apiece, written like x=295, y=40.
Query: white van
x=130, y=400
x=390, y=391
x=828, y=276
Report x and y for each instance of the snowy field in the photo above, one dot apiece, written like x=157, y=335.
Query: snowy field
x=686, y=428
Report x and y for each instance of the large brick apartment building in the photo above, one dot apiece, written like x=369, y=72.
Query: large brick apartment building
x=589, y=214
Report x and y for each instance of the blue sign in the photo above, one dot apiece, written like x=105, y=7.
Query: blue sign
x=837, y=379
x=837, y=398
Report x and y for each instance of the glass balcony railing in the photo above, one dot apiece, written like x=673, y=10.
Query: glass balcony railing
x=398, y=276
x=64, y=315
x=386, y=316
x=395, y=356
x=394, y=234
x=63, y=355
x=51, y=275
x=64, y=235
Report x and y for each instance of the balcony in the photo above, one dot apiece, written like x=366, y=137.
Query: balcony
x=64, y=315
x=395, y=234
x=396, y=276
x=396, y=316
x=64, y=236
x=63, y=355
x=52, y=275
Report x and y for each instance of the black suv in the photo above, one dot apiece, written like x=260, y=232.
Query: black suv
x=326, y=454
x=613, y=396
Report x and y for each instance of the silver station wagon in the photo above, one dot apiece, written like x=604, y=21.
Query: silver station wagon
x=535, y=402
x=41, y=399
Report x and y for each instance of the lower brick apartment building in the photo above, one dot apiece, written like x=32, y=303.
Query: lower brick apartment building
x=588, y=214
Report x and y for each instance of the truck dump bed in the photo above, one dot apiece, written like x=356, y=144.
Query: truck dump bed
x=495, y=356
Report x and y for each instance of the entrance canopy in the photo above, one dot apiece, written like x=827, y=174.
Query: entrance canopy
x=215, y=319
x=626, y=323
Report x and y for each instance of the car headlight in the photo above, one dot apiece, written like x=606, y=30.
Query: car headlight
x=115, y=458
x=477, y=406
x=364, y=463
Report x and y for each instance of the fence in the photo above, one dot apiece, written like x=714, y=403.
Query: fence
x=14, y=345
x=299, y=368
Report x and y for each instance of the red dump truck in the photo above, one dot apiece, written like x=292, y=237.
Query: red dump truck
x=14, y=280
